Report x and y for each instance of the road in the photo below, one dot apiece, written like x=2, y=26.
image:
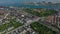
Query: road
x=48, y=25
x=26, y=24
x=5, y=16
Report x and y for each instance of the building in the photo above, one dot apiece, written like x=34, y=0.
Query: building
x=54, y=20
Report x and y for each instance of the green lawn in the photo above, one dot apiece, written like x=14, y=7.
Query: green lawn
x=41, y=29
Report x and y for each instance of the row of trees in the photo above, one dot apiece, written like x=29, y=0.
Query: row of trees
x=44, y=13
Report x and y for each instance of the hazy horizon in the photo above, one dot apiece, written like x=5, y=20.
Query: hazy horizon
x=22, y=1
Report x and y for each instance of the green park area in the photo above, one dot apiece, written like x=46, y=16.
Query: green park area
x=41, y=29
x=43, y=13
x=12, y=23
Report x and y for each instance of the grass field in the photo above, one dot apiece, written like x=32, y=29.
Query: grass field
x=41, y=29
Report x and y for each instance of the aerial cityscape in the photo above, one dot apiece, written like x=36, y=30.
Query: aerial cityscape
x=29, y=16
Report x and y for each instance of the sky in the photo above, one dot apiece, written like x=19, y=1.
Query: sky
x=20, y=1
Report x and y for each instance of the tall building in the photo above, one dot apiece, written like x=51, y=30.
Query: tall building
x=54, y=20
